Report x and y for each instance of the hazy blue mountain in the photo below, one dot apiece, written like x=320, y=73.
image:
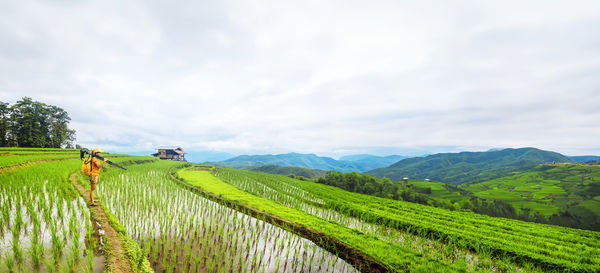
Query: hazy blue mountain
x=372, y=161
x=204, y=156
x=310, y=161
x=137, y=153
x=459, y=168
x=585, y=158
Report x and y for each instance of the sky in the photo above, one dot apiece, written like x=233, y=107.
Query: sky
x=326, y=77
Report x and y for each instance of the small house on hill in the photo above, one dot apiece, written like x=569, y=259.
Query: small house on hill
x=170, y=152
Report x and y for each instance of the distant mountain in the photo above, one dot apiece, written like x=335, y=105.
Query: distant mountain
x=310, y=161
x=459, y=168
x=585, y=158
x=372, y=161
x=191, y=156
x=203, y=156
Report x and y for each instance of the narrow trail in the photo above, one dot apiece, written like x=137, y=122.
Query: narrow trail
x=116, y=260
x=351, y=255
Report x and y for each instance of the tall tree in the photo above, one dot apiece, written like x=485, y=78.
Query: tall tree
x=4, y=124
x=36, y=124
x=59, y=132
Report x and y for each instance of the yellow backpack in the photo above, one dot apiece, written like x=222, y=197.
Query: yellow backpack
x=87, y=166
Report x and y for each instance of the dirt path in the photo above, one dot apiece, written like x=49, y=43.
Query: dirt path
x=117, y=261
x=351, y=255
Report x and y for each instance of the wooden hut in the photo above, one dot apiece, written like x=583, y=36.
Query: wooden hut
x=170, y=152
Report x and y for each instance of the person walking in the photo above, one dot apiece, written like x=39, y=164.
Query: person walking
x=95, y=174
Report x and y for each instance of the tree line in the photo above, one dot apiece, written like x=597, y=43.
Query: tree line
x=363, y=183
x=29, y=123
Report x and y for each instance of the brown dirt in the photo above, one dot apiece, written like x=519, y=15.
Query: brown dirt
x=117, y=260
x=355, y=257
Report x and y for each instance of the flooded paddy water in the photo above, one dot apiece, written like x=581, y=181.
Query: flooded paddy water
x=44, y=230
x=183, y=232
x=294, y=197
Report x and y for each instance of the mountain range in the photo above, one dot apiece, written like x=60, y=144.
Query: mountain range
x=354, y=163
x=450, y=168
x=585, y=158
x=459, y=168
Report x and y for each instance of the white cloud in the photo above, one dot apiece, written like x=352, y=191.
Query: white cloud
x=311, y=76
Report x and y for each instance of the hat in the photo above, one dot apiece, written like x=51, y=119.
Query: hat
x=97, y=150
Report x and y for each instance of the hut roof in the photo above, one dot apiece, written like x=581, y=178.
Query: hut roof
x=176, y=149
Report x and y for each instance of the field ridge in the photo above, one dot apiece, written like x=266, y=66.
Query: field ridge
x=353, y=256
x=116, y=259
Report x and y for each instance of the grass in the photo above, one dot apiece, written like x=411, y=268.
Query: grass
x=131, y=248
x=42, y=216
x=182, y=230
x=389, y=254
x=548, y=189
x=506, y=240
x=593, y=205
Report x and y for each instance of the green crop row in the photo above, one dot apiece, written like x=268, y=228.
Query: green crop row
x=182, y=231
x=36, y=149
x=43, y=222
x=15, y=160
x=550, y=247
x=399, y=259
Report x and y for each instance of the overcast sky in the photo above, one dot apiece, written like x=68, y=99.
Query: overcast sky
x=324, y=77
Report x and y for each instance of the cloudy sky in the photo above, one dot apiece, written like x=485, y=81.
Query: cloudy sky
x=324, y=77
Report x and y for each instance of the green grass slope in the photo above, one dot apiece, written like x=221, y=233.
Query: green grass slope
x=554, y=191
x=548, y=247
x=290, y=170
x=459, y=168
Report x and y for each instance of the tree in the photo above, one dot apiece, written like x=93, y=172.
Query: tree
x=30, y=123
x=4, y=124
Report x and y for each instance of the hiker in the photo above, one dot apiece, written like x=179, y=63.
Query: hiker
x=95, y=173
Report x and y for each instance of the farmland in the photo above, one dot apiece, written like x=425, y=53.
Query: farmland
x=177, y=217
x=526, y=244
x=43, y=223
x=180, y=231
x=547, y=189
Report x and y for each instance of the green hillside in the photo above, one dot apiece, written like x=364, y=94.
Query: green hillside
x=289, y=170
x=459, y=168
x=564, y=193
x=380, y=226
x=352, y=163
x=438, y=190
x=370, y=162
x=585, y=158
x=310, y=161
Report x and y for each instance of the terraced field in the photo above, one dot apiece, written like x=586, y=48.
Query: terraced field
x=548, y=189
x=476, y=241
x=166, y=216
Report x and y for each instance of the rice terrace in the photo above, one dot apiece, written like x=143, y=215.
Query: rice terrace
x=173, y=216
x=302, y=136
